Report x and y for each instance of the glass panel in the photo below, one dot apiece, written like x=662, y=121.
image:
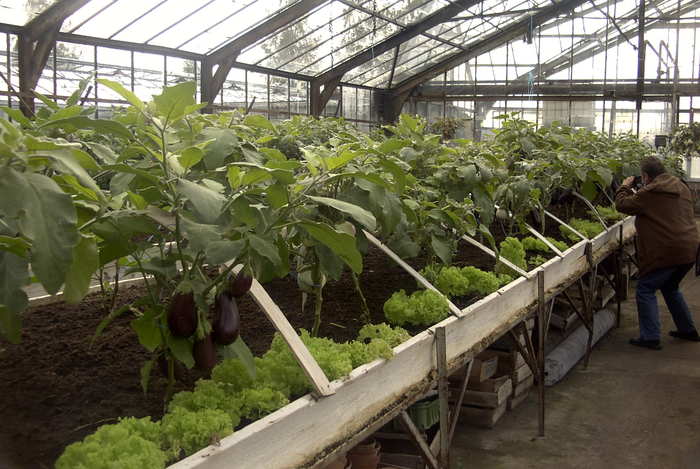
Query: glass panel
x=316, y=44
x=4, y=68
x=279, y=98
x=74, y=62
x=20, y=12
x=406, y=12
x=253, y=14
x=381, y=64
x=149, y=75
x=298, y=91
x=81, y=20
x=109, y=21
x=234, y=90
x=14, y=67
x=114, y=65
x=257, y=93
x=180, y=70
x=350, y=103
x=364, y=104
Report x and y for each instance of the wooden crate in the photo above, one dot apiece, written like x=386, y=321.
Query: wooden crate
x=482, y=417
x=490, y=385
x=521, y=374
x=483, y=368
x=489, y=399
x=515, y=401
x=524, y=386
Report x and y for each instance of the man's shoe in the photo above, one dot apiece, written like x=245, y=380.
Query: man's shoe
x=692, y=336
x=651, y=344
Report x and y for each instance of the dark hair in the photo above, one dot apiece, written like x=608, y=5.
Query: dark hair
x=652, y=166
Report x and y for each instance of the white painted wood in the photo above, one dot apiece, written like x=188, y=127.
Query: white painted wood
x=544, y=239
x=302, y=433
x=491, y=253
x=411, y=271
x=563, y=223
x=592, y=207
x=307, y=362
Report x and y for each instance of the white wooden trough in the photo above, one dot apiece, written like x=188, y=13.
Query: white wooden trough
x=309, y=431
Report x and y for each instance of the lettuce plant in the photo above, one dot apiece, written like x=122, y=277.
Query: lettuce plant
x=421, y=308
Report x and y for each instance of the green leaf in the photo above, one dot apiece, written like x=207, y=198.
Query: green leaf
x=182, y=350
x=102, y=126
x=442, y=249
x=233, y=175
x=17, y=246
x=277, y=195
x=258, y=122
x=225, y=143
x=47, y=217
x=358, y=213
x=147, y=331
x=146, y=374
x=190, y=157
x=78, y=93
x=392, y=144
x=335, y=162
x=589, y=190
x=124, y=93
x=207, y=203
x=17, y=115
x=238, y=349
x=200, y=235
x=14, y=274
x=86, y=261
x=219, y=252
x=264, y=248
x=49, y=103
x=175, y=100
x=342, y=244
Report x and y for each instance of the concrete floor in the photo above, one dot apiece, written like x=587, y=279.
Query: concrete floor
x=632, y=408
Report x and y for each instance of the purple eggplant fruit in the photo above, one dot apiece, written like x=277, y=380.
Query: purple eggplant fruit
x=182, y=315
x=239, y=285
x=204, y=353
x=227, y=321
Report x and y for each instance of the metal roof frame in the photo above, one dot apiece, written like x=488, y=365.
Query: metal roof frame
x=38, y=36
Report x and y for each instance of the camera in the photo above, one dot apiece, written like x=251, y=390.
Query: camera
x=637, y=184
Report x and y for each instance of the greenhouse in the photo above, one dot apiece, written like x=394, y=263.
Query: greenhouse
x=361, y=234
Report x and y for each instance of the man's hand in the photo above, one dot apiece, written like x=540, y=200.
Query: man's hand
x=628, y=181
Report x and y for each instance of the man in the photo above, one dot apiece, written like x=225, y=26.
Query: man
x=667, y=244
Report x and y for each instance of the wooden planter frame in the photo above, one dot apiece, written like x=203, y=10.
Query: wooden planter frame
x=312, y=430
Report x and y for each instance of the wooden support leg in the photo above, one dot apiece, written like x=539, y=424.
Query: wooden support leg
x=415, y=435
x=589, y=304
x=443, y=394
x=541, y=336
x=619, y=296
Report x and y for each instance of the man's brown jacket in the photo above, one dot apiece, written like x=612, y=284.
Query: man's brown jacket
x=666, y=229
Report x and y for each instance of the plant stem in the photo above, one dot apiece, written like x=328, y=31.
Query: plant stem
x=366, y=316
x=318, y=304
x=318, y=299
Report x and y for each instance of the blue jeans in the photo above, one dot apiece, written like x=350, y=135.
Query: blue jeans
x=666, y=280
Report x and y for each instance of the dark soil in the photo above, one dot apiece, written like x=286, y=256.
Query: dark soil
x=56, y=389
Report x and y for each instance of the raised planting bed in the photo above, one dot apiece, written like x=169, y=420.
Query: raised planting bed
x=310, y=431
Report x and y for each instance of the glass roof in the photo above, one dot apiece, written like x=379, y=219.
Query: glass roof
x=20, y=12
x=320, y=35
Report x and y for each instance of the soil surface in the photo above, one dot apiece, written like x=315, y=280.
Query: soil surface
x=56, y=388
